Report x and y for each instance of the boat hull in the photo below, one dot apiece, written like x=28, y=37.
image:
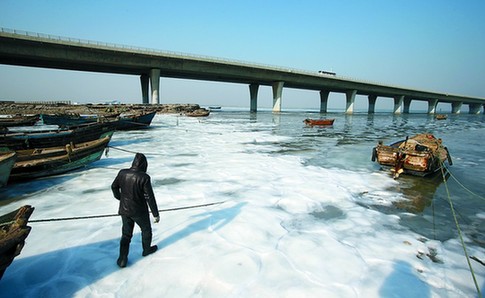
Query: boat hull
x=57, y=160
x=135, y=121
x=319, y=122
x=420, y=155
x=19, y=121
x=7, y=161
x=13, y=233
x=52, y=138
x=198, y=113
x=126, y=122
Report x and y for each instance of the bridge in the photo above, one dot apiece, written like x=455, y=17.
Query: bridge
x=22, y=48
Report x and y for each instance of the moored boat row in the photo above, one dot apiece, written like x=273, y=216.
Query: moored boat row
x=119, y=121
x=39, y=153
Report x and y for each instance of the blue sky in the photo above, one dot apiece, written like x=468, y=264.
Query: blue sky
x=431, y=45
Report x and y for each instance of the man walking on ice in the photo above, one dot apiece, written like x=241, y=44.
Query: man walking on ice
x=133, y=188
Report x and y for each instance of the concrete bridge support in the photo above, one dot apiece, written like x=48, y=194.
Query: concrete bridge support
x=456, y=107
x=407, y=105
x=475, y=108
x=253, y=94
x=372, y=104
x=277, y=91
x=324, y=100
x=349, y=109
x=432, y=103
x=144, y=80
x=155, y=84
x=398, y=100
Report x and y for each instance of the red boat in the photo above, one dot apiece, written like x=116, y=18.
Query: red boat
x=318, y=122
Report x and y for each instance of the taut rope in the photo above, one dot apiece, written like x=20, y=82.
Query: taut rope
x=112, y=215
x=459, y=231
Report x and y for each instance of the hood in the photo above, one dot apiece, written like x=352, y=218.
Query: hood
x=140, y=162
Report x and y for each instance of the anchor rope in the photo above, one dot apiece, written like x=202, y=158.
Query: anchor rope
x=459, y=230
x=465, y=188
x=130, y=151
x=112, y=215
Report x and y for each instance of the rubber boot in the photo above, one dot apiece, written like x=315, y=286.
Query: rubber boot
x=146, y=242
x=150, y=250
x=124, y=250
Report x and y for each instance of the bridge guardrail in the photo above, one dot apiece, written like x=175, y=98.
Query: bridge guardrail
x=112, y=46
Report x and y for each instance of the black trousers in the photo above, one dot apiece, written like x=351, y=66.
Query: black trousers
x=127, y=232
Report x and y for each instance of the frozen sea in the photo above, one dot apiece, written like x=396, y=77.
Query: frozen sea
x=300, y=212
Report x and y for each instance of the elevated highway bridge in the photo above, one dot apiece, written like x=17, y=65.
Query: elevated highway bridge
x=38, y=50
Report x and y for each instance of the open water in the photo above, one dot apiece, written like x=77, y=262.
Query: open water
x=348, y=143
x=305, y=212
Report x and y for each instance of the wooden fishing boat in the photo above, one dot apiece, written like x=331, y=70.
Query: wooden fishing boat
x=318, y=122
x=13, y=232
x=122, y=121
x=18, y=120
x=420, y=155
x=57, y=137
x=35, y=163
x=135, y=120
x=68, y=119
x=198, y=113
x=7, y=160
x=441, y=117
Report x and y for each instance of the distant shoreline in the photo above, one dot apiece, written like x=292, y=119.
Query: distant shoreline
x=14, y=108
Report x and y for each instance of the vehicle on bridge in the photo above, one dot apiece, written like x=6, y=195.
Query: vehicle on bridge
x=327, y=72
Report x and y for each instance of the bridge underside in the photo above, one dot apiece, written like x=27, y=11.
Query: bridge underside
x=34, y=50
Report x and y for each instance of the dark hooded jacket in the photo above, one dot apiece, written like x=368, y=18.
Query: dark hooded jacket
x=132, y=187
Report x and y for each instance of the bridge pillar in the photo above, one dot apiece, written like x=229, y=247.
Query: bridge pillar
x=253, y=94
x=350, y=95
x=155, y=83
x=372, y=104
x=324, y=100
x=456, y=107
x=398, y=100
x=432, y=103
x=407, y=105
x=144, y=80
x=277, y=91
x=475, y=108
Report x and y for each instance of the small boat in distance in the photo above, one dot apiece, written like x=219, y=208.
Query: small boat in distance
x=441, y=117
x=198, y=113
x=420, y=155
x=318, y=122
x=13, y=232
x=135, y=120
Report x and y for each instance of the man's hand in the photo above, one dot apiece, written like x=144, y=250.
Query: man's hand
x=157, y=219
